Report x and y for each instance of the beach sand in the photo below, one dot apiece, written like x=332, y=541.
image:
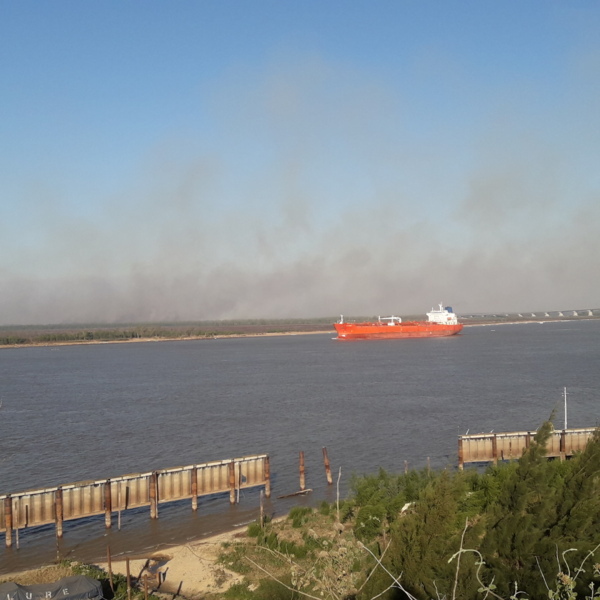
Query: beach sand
x=189, y=570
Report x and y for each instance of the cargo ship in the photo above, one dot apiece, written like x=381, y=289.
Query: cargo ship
x=440, y=322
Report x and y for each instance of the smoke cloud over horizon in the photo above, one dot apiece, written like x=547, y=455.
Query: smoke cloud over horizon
x=313, y=195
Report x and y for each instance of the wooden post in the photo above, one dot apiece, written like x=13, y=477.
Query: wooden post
x=495, y=449
x=528, y=440
x=262, y=511
x=405, y=467
x=153, y=492
x=302, y=474
x=267, y=468
x=128, y=579
x=146, y=586
x=107, y=504
x=17, y=519
x=109, y=564
x=119, y=506
x=461, y=465
x=58, y=512
x=194, y=488
x=327, y=466
x=232, y=482
x=8, y=520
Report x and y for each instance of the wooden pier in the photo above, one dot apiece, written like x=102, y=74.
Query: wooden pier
x=492, y=447
x=107, y=496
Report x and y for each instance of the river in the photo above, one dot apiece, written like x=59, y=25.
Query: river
x=72, y=413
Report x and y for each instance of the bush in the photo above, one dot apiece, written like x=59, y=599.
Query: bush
x=273, y=590
x=370, y=522
x=239, y=591
x=254, y=529
x=299, y=516
x=325, y=508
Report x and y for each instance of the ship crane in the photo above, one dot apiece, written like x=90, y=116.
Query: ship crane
x=392, y=320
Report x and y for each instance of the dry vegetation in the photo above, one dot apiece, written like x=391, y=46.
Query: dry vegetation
x=47, y=574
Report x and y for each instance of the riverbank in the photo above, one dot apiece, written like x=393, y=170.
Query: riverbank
x=161, y=339
x=248, y=334
x=190, y=570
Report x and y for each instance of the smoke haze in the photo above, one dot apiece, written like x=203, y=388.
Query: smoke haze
x=313, y=194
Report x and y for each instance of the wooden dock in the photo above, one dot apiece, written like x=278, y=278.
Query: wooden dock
x=107, y=496
x=492, y=447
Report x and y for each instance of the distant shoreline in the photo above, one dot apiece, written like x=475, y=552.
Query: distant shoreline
x=218, y=336
x=160, y=339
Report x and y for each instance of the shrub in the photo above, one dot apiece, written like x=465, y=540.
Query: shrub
x=254, y=529
x=325, y=508
x=299, y=516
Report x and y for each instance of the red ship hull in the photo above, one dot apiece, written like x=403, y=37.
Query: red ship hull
x=380, y=331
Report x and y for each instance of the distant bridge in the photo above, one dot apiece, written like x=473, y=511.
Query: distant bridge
x=571, y=313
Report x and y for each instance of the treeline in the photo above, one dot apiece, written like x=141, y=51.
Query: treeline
x=206, y=329
x=528, y=529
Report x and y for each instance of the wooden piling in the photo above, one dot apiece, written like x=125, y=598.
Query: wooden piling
x=153, y=493
x=128, y=579
x=58, y=511
x=302, y=473
x=232, y=482
x=405, y=467
x=327, y=466
x=262, y=510
x=119, y=505
x=54, y=506
x=109, y=565
x=107, y=505
x=267, y=467
x=17, y=521
x=488, y=447
x=8, y=520
x=194, y=488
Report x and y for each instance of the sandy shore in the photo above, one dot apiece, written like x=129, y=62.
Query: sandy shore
x=190, y=570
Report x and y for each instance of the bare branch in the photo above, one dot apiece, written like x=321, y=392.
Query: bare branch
x=338, y=494
x=396, y=580
x=373, y=571
x=588, y=555
x=487, y=588
x=462, y=543
x=565, y=560
x=281, y=582
x=537, y=560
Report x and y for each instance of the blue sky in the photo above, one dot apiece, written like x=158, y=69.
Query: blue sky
x=213, y=160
